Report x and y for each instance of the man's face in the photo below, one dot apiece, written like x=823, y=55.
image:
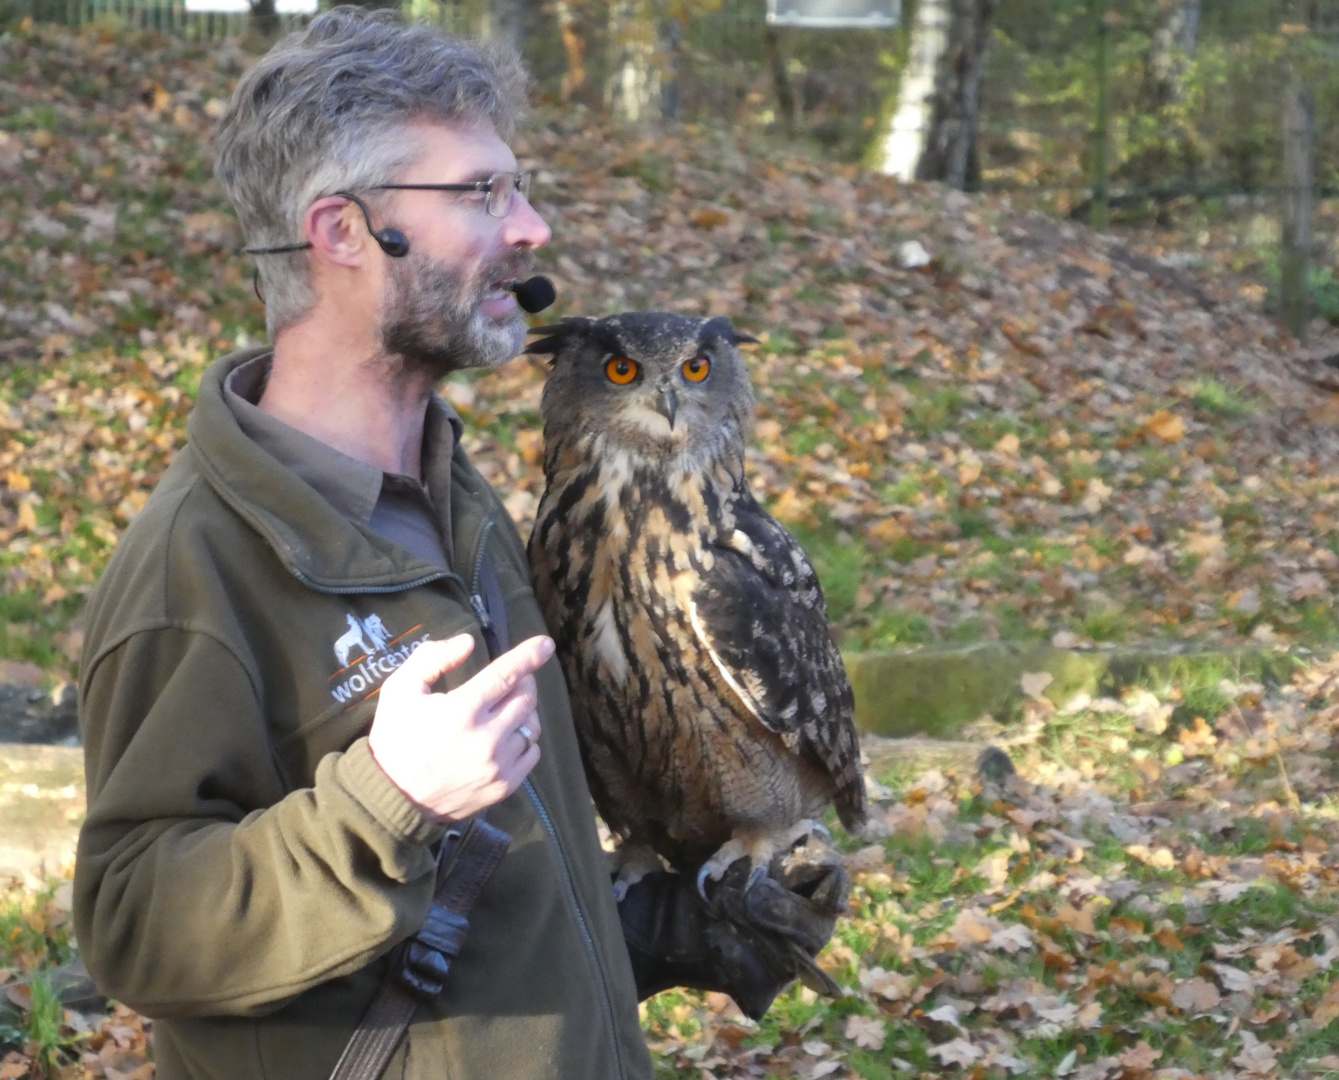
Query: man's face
x=445, y=304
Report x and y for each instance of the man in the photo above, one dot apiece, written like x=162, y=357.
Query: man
x=270, y=771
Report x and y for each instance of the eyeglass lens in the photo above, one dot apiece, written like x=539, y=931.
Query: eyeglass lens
x=501, y=189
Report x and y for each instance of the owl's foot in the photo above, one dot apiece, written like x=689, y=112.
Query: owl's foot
x=759, y=848
x=632, y=862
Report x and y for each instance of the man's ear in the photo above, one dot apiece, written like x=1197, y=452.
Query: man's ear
x=334, y=228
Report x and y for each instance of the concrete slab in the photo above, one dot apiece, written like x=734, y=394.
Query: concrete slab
x=42, y=804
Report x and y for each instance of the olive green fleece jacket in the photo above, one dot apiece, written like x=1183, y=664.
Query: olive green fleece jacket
x=246, y=866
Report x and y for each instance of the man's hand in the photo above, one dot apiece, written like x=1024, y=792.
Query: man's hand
x=458, y=753
x=750, y=942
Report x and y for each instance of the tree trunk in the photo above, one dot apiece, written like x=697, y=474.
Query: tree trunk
x=932, y=134
x=573, y=35
x=950, y=144
x=632, y=92
x=264, y=19
x=904, y=138
x=1299, y=142
x=504, y=23
x=671, y=47
x=1169, y=52
x=785, y=96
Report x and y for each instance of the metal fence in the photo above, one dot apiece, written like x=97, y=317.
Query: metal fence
x=164, y=16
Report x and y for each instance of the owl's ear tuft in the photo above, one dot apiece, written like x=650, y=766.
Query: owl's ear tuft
x=558, y=335
x=721, y=327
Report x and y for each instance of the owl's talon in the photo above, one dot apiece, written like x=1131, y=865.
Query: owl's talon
x=702, y=876
x=755, y=875
x=632, y=861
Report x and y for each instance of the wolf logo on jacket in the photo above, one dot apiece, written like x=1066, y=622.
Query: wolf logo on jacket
x=382, y=654
x=370, y=635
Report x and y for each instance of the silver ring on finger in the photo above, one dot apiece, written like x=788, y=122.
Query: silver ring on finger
x=528, y=735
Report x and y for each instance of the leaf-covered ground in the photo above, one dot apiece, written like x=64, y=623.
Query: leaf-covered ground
x=1037, y=433
x=981, y=422
x=1156, y=896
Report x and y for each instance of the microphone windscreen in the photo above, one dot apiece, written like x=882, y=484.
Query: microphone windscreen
x=535, y=294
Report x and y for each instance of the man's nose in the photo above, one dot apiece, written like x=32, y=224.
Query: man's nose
x=524, y=227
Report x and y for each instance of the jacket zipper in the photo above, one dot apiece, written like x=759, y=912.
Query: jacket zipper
x=564, y=871
x=606, y=1005
x=477, y=600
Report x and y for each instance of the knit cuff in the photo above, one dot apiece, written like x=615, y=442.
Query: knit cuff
x=361, y=774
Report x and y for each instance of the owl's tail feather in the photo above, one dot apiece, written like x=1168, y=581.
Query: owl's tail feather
x=813, y=976
x=853, y=806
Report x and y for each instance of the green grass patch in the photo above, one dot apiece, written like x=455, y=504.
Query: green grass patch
x=933, y=412
x=889, y=630
x=39, y=1029
x=1218, y=399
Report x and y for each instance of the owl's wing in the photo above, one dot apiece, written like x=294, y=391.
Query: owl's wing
x=760, y=614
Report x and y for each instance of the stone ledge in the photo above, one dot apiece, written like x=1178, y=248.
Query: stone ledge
x=937, y=691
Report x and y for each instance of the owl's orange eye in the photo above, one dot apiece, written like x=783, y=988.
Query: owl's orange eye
x=621, y=370
x=697, y=369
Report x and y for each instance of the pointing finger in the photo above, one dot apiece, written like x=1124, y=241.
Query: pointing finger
x=505, y=673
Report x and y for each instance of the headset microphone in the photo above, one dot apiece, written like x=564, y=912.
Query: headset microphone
x=391, y=241
x=535, y=294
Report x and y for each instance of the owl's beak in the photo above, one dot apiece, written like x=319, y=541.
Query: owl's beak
x=667, y=404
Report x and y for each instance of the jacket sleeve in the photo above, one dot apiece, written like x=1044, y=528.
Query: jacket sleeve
x=202, y=885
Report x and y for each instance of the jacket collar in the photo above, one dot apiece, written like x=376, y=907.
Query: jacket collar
x=311, y=538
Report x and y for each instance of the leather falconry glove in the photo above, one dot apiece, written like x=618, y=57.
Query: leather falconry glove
x=750, y=943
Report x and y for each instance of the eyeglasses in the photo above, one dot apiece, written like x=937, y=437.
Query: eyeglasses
x=501, y=188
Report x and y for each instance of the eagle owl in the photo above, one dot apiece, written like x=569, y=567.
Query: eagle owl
x=714, y=713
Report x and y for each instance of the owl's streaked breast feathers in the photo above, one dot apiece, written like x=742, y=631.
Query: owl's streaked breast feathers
x=709, y=696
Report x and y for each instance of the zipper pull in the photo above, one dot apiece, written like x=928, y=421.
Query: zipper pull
x=481, y=609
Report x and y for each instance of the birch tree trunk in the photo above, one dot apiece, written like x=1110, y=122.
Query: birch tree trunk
x=1169, y=51
x=504, y=23
x=932, y=135
x=632, y=92
x=904, y=139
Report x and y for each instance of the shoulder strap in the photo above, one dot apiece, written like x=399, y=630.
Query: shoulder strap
x=471, y=852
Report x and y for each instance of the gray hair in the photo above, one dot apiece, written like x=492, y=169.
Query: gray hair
x=325, y=111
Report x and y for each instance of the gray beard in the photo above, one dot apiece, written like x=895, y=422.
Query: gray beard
x=432, y=319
